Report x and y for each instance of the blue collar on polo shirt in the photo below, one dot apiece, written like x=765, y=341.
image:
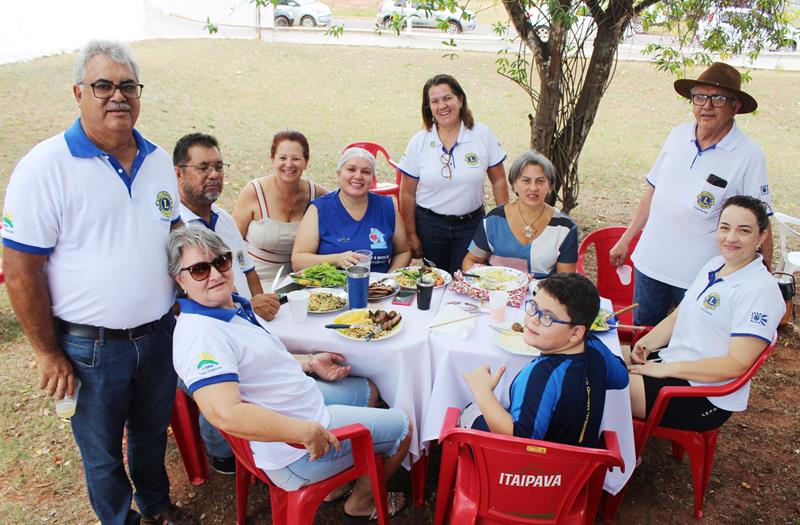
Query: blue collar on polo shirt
x=737, y=277
x=245, y=310
x=81, y=146
x=188, y=216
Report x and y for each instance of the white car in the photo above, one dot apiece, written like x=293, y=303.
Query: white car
x=724, y=22
x=307, y=13
x=424, y=14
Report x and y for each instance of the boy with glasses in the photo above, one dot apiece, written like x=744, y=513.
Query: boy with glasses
x=560, y=395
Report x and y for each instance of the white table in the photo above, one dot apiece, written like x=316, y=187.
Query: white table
x=450, y=357
x=399, y=366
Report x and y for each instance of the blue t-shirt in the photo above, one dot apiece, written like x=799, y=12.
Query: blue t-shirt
x=557, y=243
x=560, y=398
x=339, y=232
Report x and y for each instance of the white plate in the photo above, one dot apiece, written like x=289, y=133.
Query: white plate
x=513, y=343
x=379, y=299
x=516, y=278
x=338, y=292
x=394, y=331
x=446, y=276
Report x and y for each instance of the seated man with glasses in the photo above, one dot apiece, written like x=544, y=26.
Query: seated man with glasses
x=560, y=395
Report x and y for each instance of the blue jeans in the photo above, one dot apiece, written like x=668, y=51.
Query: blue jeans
x=351, y=390
x=655, y=299
x=123, y=383
x=445, y=242
x=388, y=427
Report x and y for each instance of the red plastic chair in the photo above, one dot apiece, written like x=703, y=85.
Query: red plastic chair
x=381, y=188
x=489, y=478
x=701, y=446
x=608, y=283
x=298, y=507
x=186, y=431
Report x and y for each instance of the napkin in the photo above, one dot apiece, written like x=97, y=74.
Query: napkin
x=460, y=329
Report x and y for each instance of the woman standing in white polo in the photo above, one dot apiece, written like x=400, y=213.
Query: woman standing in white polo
x=445, y=167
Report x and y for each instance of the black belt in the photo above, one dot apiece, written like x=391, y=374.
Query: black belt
x=99, y=332
x=454, y=218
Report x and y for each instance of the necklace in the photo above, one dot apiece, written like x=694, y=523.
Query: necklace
x=529, y=229
x=297, y=195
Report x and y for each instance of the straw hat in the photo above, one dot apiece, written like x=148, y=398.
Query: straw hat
x=721, y=75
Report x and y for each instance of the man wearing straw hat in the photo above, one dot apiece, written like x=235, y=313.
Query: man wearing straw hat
x=701, y=164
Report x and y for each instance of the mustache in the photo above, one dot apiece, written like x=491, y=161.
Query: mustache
x=118, y=106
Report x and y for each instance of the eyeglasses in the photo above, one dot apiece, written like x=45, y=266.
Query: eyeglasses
x=716, y=100
x=447, y=171
x=205, y=169
x=104, y=89
x=200, y=271
x=546, y=318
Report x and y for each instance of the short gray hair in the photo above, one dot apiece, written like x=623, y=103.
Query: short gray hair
x=198, y=237
x=532, y=157
x=116, y=51
x=359, y=153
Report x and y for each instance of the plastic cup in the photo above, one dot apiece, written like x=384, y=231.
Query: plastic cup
x=357, y=286
x=298, y=305
x=364, y=258
x=625, y=272
x=424, y=293
x=497, y=305
x=65, y=408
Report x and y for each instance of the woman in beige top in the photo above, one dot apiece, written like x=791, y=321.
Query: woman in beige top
x=269, y=209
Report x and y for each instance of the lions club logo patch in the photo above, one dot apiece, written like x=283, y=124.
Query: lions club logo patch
x=711, y=301
x=164, y=204
x=471, y=159
x=705, y=200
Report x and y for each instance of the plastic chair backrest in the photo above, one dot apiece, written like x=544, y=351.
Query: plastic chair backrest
x=785, y=223
x=608, y=283
x=374, y=148
x=520, y=480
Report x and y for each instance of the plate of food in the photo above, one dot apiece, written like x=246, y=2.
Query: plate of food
x=326, y=300
x=367, y=325
x=407, y=276
x=496, y=278
x=383, y=289
x=509, y=337
x=602, y=323
x=325, y=275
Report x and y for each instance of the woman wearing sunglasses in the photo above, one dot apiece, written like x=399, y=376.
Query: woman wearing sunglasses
x=727, y=317
x=352, y=218
x=247, y=384
x=445, y=166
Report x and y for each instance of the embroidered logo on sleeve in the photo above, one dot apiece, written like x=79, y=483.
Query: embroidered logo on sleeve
x=8, y=223
x=164, y=204
x=758, y=318
x=240, y=258
x=765, y=189
x=207, y=363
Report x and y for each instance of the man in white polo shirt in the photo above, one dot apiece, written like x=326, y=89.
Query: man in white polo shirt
x=86, y=216
x=201, y=177
x=701, y=165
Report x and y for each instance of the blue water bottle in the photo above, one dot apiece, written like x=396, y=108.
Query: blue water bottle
x=357, y=286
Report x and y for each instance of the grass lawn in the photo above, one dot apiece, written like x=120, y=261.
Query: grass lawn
x=243, y=92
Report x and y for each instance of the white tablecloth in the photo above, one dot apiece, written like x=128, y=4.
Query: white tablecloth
x=399, y=366
x=451, y=357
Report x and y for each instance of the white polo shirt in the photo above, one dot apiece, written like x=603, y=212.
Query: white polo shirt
x=102, y=231
x=679, y=236
x=475, y=151
x=746, y=303
x=216, y=345
x=223, y=225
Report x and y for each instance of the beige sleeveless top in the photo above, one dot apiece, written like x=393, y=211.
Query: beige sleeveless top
x=270, y=242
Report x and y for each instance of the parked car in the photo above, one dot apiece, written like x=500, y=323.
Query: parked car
x=424, y=14
x=283, y=17
x=310, y=13
x=726, y=22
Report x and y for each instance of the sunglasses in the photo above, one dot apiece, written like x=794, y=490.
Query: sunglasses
x=200, y=271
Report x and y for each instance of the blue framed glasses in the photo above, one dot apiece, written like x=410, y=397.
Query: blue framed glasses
x=546, y=318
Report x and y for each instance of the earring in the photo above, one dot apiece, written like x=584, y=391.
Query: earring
x=758, y=248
